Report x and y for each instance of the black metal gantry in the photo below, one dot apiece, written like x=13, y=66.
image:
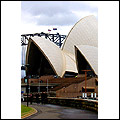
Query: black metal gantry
x=56, y=38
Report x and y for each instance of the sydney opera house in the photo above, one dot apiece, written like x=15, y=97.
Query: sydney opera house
x=78, y=52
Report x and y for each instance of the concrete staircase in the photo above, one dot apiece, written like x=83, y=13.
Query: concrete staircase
x=65, y=82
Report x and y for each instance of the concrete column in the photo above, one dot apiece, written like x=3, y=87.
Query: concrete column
x=91, y=95
x=83, y=95
x=94, y=95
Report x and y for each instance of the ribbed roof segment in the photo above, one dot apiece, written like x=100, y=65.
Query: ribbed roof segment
x=84, y=32
x=91, y=55
x=52, y=53
x=70, y=62
x=59, y=60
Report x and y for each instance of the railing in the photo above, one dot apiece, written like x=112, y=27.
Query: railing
x=88, y=104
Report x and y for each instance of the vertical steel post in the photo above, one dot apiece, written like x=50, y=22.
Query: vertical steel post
x=27, y=83
x=39, y=86
x=46, y=36
x=59, y=41
x=22, y=53
x=85, y=80
x=47, y=85
x=27, y=89
x=53, y=38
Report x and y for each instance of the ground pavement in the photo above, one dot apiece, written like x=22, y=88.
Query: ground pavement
x=50, y=111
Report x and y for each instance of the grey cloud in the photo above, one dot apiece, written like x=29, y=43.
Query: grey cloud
x=66, y=19
x=52, y=10
x=43, y=7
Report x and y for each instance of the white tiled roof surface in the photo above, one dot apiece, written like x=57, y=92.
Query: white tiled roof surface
x=70, y=62
x=84, y=32
x=58, y=59
x=53, y=54
x=91, y=55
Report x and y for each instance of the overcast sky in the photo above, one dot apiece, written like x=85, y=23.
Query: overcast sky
x=39, y=16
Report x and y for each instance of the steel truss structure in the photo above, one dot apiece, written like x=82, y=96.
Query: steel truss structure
x=56, y=38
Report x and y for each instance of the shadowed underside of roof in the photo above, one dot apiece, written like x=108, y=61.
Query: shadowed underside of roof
x=59, y=61
x=90, y=54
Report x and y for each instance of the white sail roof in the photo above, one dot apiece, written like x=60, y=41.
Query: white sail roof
x=70, y=62
x=84, y=32
x=58, y=59
x=91, y=55
x=52, y=53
